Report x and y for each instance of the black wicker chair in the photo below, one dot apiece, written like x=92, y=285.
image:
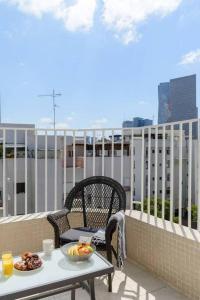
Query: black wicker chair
x=97, y=198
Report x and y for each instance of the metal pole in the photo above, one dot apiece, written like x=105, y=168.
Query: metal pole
x=53, y=95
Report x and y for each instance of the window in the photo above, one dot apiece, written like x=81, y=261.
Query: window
x=70, y=153
x=168, y=151
x=20, y=186
x=153, y=151
x=168, y=164
x=153, y=178
x=160, y=178
x=160, y=150
x=160, y=191
x=153, y=192
x=167, y=191
x=160, y=165
x=168, y=177
x=153, y=165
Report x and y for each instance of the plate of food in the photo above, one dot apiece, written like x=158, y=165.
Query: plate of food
x=29, y=262
x=78, y=251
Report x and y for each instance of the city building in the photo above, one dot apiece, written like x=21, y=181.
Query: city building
x=137, y=122
x=177, y=100
x=163, y=98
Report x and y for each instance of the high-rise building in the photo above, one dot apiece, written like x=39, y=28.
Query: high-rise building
x=127, y=124
x=163, y=98
x=177, y=100
x=137, y=122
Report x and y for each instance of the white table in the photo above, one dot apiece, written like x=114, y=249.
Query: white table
x=57, y=275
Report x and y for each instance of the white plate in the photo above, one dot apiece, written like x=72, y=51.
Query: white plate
x=30, y=271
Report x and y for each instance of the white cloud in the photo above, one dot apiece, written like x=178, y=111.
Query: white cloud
x=191, y=57
x=45, y=121
x=78, y=16
x=124, y=17
x=99, y=123
x=62, y=125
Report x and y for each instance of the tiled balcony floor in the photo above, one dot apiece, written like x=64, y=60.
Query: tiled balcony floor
x=134, y=282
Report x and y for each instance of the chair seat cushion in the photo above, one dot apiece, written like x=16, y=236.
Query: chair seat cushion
x=73, y=235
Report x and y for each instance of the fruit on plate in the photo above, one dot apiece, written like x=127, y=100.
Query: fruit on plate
x=80, y=250
x=29, y=262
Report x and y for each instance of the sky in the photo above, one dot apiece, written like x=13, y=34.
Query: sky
x=106, y=57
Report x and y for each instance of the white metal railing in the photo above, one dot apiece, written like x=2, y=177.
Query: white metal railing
x=141, y=159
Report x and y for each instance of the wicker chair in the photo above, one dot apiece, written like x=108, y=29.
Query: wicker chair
x=97, y=198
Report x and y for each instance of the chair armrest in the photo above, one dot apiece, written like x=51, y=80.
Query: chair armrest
x=60, y=223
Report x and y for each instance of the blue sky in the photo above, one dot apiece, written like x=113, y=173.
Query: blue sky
x=106, y=57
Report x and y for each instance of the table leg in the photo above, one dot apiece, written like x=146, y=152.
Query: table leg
x=73, y=294
x=92, y=289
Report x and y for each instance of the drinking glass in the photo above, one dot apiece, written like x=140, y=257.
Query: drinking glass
x=7, y=263
x=48, y=246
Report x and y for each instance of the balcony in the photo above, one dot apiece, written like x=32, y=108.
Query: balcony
x=159, y=168
x=155, y=269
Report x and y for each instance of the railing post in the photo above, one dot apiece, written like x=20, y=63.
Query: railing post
x=180, y=171
x=156, y=173
x=46, y=171
x=64, y=166
x=26, y=177
x=84, y=156
x=94, y=152
x=190, y=175
x=15, y=172
x=74, y=158
x=132, y=166
x=112, y=156
x=36, y=171
x=171, y=173
x=149, y=172
x=4, y=173
x=198, y=178
x=122, y=157
x=103, y=153
x=55, y=170
x=163, y=172
x=142, y=173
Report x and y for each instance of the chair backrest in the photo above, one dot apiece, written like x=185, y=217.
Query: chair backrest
x=97, y=197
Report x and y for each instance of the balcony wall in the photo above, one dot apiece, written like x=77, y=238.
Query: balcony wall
x=168, y=250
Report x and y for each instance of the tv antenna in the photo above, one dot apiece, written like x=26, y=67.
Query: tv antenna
x=53, y=96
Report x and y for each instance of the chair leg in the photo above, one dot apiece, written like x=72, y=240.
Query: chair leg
x=109, y=283
x=73, y=294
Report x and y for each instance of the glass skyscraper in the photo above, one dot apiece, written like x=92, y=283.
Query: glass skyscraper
x=177, y=100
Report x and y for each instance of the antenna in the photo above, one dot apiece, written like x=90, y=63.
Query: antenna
x=53, y=96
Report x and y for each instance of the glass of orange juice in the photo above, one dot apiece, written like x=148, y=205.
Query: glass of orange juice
x=7, y=263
